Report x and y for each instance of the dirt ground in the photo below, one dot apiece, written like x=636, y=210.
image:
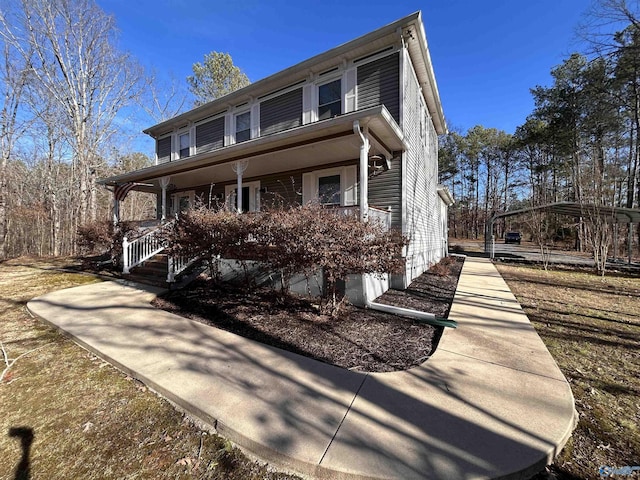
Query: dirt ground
x=358, y=339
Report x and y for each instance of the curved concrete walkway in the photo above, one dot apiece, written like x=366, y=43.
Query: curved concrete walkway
x=490, y=403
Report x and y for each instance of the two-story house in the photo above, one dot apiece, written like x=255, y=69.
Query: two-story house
x=355, y=127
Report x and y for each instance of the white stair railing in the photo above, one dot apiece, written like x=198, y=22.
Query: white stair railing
x=177, y=265
x=141, y=249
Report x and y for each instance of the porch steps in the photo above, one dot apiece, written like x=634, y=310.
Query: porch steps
x=152, y=272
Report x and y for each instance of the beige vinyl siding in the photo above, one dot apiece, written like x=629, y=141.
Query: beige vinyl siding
x=281, y=113
x=163, y=149
x=379, y=84
x=210, y=135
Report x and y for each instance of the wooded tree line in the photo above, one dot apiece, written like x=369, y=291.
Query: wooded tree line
x=69, y=92
x=64, y=83
x=69, y=98
x=581, y=143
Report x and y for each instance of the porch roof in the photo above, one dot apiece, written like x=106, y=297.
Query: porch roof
x=316, y=144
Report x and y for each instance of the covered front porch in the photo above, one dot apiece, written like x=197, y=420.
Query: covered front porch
x=291, y=165
x=332, y=162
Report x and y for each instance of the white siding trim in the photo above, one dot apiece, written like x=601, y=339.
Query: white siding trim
x=229, y=135
x=307, y=103
x=350, y=82
x=309, y=193
x=349, y=185
x=255, y=120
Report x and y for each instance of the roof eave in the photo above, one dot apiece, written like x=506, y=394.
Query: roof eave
x=427, y=79
x=283, y=77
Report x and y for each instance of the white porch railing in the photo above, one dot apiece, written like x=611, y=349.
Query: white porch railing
x=147, y=246
x=382, y=216
x=141, y=249
x=375, y=214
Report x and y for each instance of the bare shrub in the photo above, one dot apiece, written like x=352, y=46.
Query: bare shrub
x=290, y=241
x=103, y=236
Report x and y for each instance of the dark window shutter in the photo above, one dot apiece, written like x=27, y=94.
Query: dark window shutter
x=163, y=146
x=281, y=113
x=210, y=136
x=379, y=84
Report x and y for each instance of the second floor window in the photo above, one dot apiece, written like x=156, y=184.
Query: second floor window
x=184, y=142
x=329, y=100
x=243, y=127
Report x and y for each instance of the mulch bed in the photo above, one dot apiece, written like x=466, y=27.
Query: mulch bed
x=358, y=339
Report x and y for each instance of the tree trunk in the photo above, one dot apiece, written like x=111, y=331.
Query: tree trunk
x=3, y=210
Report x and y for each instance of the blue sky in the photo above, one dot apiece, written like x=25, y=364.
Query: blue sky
x=487, y=54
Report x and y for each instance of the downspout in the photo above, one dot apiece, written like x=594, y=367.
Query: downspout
x=424, y=317
x=363, y=189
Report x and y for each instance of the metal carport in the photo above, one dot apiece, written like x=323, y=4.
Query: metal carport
x=616, y=215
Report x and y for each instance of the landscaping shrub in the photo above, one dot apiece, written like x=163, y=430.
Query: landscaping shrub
x=103, y=237
x=292, y=241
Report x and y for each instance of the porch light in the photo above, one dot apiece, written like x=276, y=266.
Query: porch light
x=378, y=164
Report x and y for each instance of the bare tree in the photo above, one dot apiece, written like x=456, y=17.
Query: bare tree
x=163, y=99
x=14, y=75
x=74, y=62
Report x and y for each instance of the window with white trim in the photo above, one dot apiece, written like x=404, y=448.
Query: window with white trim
x=243, y=127
x=330, y=99
x=184, y=144
x=329, y=189
x=181, y=202
x=333, y=186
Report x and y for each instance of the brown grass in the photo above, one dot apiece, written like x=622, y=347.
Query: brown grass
x=86, y=419
x=591, y=326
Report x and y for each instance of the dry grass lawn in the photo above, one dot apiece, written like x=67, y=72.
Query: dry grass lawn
x=591, y=326
x=66, y=414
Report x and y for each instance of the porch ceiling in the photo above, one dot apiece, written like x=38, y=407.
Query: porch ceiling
x=308, y=146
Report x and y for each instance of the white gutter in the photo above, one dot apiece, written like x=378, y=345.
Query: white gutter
x=425, y=317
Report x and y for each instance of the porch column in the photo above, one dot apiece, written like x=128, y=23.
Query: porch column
x=116, y=209
x=239, y=168
x=363, y=189
x=164, y=183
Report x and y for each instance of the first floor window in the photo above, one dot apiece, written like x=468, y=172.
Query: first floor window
x=181, y=202
x=243, y=127
x=332, y=186
x=329, y=189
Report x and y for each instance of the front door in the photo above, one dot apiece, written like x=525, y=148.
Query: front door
x=250, y=196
